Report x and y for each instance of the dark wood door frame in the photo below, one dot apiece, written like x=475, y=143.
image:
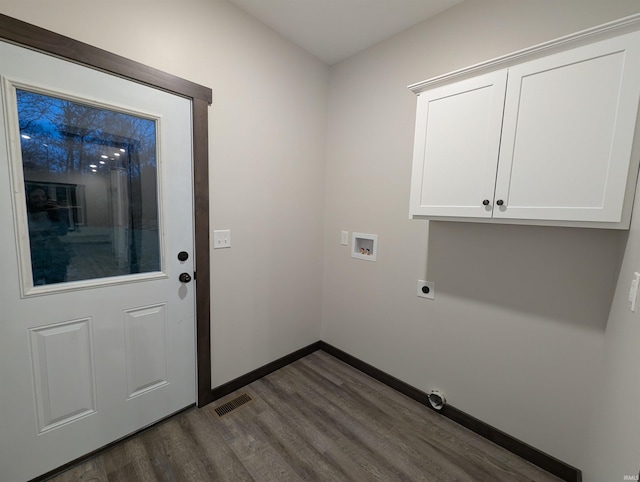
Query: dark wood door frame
x=36, y=38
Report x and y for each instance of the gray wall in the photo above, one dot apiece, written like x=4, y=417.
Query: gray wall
x=517, y=333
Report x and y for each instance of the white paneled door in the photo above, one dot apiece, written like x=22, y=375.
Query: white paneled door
x=96, y=235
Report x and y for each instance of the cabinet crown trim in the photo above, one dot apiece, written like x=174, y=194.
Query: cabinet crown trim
x=614, y=27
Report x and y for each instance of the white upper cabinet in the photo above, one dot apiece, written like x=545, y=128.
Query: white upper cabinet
x=458, y=137
x=544, y=141
x=568, y=128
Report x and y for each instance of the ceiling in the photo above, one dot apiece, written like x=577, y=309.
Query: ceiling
x=332, y=30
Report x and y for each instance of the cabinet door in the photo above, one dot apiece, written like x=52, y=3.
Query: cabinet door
x=456, y=147
x=568, y=129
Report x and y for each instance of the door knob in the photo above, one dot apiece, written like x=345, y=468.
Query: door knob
x=499, y=202
x=184, y=278
x=485, y=202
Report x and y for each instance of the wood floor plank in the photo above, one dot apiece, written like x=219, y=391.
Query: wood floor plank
x=299, y=453
x=337, y=450
x=368, y=428
x=315, y=419
x=123, y=473
x=347, y=437
x=222, y=462
x=133, y=452
x=302, y=419
x=181, y=451
x=439, y=428
x=92, y=471
x=155, y=444
x=375, y=423
x=253, y=449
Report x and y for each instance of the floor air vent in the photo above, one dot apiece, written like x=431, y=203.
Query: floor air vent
x=230, y=406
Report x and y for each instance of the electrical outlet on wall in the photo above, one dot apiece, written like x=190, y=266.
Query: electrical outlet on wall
x=426, y=289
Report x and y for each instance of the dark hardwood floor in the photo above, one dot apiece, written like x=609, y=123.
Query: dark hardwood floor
x=315, y=419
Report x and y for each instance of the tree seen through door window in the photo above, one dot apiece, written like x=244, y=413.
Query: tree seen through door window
x=90, y=177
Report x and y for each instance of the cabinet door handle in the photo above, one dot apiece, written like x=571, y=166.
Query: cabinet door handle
x=499, y=202
x=485, y=202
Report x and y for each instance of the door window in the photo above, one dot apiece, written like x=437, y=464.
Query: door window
x=90, y=183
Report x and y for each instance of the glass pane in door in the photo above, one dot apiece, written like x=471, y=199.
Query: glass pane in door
x=90, y=178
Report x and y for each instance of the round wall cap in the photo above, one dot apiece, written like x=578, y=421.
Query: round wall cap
x=437, y=399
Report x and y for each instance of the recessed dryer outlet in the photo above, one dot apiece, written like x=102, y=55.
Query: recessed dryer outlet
x=364, y=246
x=426, y=289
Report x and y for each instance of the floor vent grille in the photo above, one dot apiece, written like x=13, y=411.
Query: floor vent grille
x=231, y=405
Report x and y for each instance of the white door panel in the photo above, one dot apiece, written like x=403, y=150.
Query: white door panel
x=105, y=346
x=146, y=353
x=63, y=370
